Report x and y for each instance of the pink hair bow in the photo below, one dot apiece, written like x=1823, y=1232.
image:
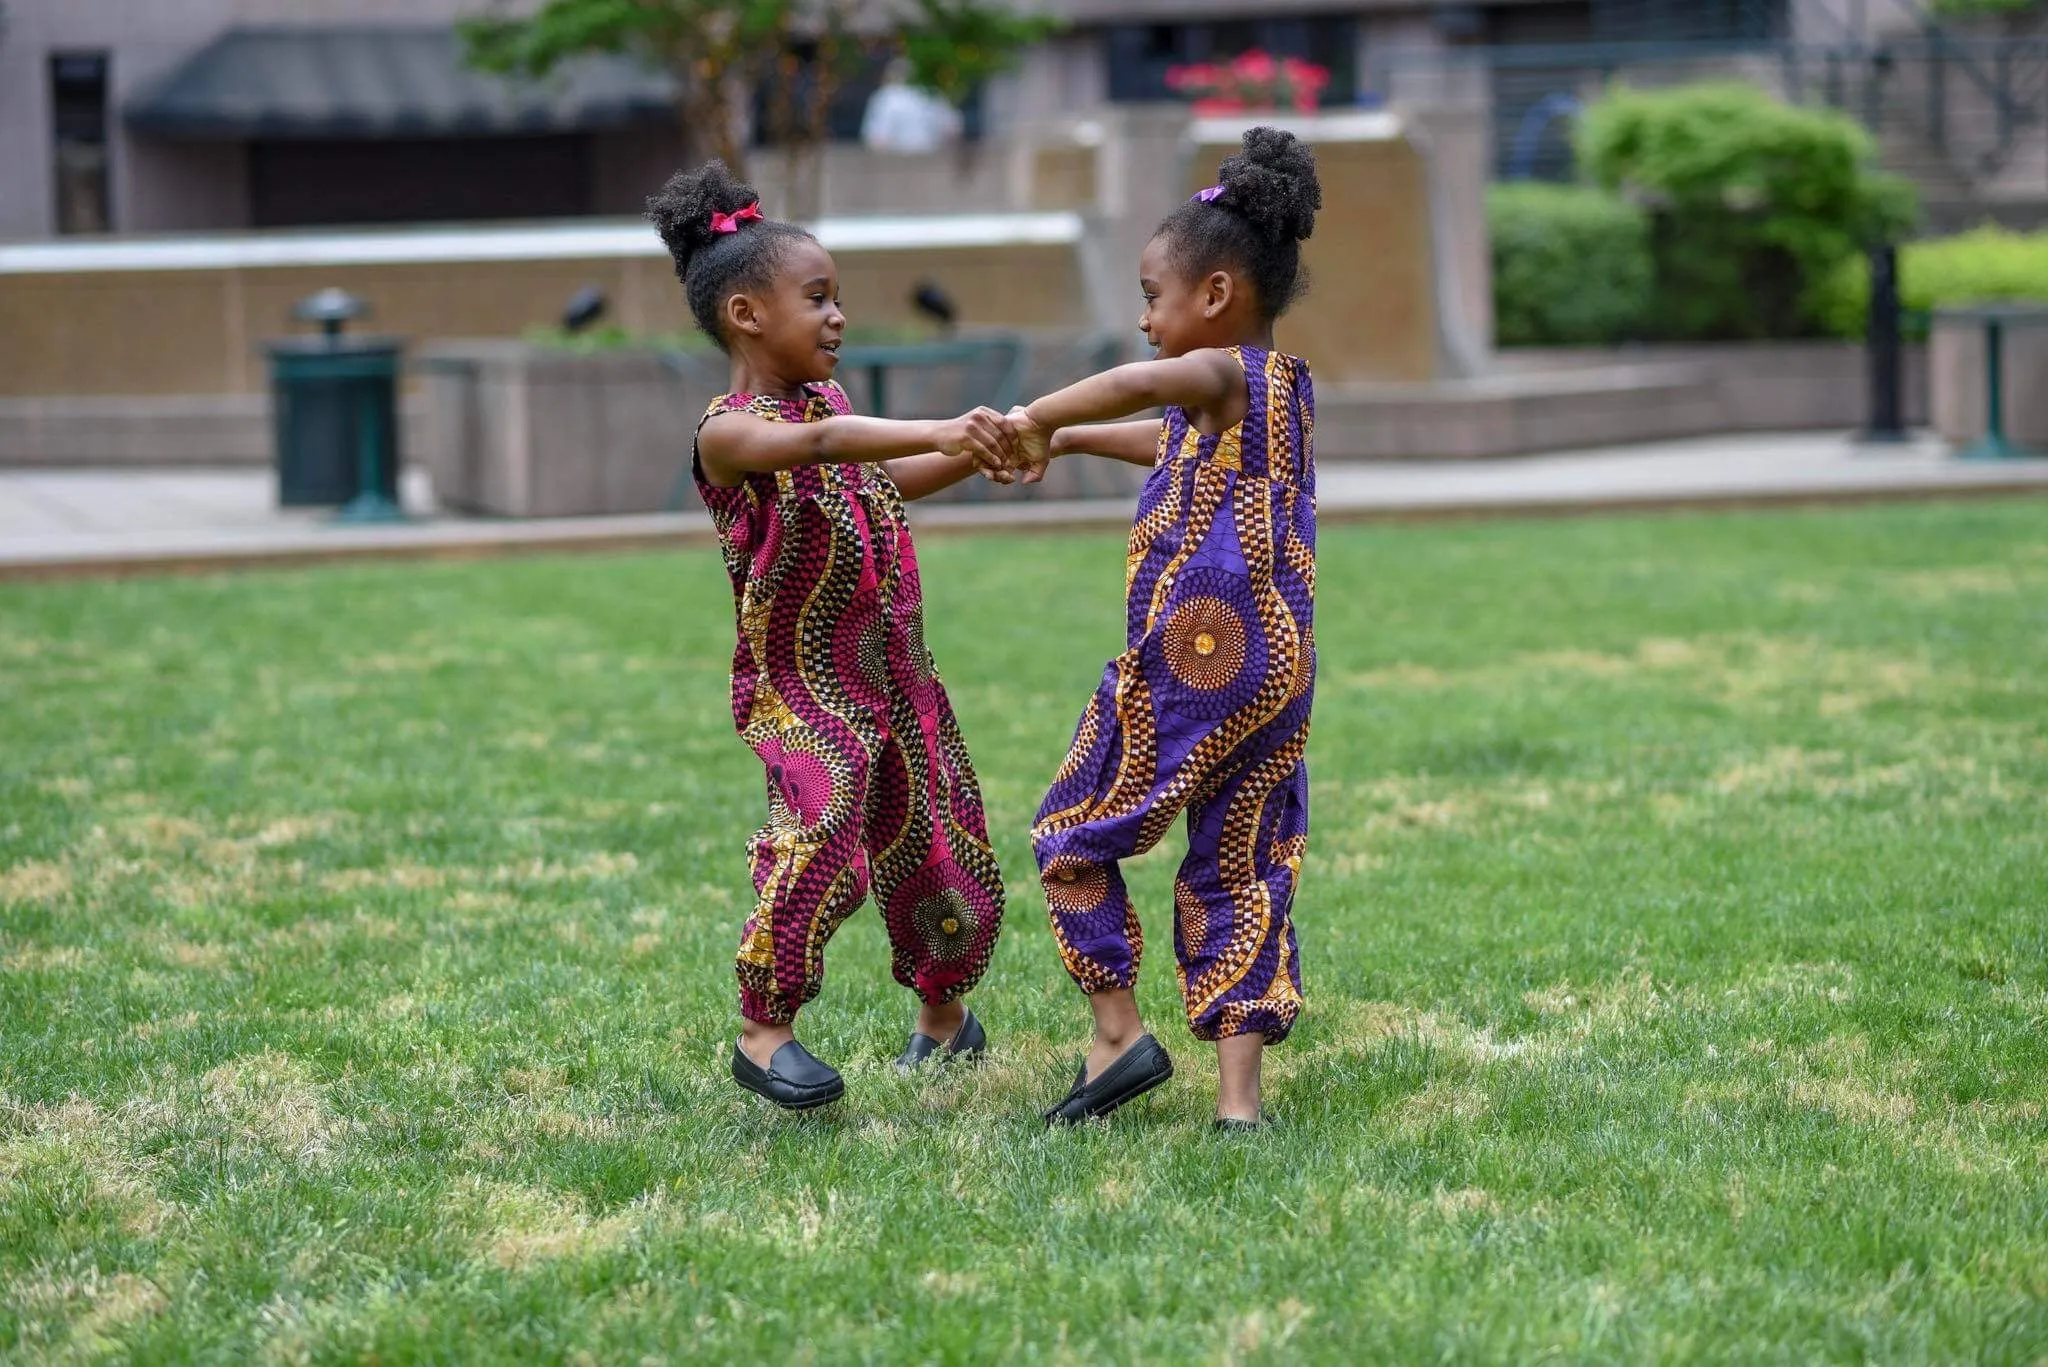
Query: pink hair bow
x=730, y=223
x=1208, y=196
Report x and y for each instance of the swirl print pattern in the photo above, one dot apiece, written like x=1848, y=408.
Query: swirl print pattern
x=868, y=780
x=1205, y=713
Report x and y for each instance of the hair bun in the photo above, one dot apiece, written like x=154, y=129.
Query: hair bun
x=682, y=211
x=1272, y=184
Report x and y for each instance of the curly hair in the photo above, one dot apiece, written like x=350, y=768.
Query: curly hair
x=711, y=265
x=1268, y=206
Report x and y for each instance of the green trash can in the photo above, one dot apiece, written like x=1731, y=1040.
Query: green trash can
x=335, y=404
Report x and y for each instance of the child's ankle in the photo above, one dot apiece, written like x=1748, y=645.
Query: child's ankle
x=1239, y=1062
x=942, y=1021
x=759, y=1040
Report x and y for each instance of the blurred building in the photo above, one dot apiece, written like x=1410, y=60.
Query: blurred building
x=167, y=115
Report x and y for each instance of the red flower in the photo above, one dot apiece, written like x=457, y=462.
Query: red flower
x=1301, y=73
x=1219, y=105
x=1254, y=66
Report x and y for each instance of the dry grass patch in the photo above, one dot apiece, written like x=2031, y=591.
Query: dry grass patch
x=1264, y=1332
x=524, y=1225
x=1441, y=1102
x=1454, y=1205
x=948, y=1285
x=1832, y=981
x=34, y=881
x=273, y=1100
x=1362, y=1026
x=150, y=1029
x=1938, y=586
x=77, y=1134
x=406, y=875
x=1852, y=1100
x=1621, y=1001
x=47, y=959
x=88, y=1312
x=186, y=954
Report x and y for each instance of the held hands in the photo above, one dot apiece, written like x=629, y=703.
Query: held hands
x=1033, y=444
x=1004, y=448
x=985, y=437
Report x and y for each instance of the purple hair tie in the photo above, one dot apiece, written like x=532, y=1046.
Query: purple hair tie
x=1208, y=196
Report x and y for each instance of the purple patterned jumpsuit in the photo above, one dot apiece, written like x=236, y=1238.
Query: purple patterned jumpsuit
x=1206, y=712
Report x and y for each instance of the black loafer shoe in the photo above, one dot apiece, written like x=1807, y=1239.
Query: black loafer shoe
x=968, y=1042
x=1136, y=1071
x=793, y=1079
x=1230, y=1124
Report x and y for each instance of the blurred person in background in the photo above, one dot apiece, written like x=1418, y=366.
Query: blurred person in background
x=904, y=118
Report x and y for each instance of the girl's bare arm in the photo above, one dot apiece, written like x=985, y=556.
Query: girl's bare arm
x=1134, y=443
x=1201, y=379
x=923, y=475
x=734, y=445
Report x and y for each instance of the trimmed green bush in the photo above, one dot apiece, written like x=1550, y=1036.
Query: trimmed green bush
x=1983, y=266
x=1971, y=9
x=1571, y=265
x=1754, y=204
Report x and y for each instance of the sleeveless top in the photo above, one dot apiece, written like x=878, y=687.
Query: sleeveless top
x=1196, y=476
x=820, y=535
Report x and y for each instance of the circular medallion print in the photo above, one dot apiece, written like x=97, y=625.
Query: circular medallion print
x=1206, y=658
x=806, y=784
x=1205, y=643
x=945, y=922
x=1074, y=888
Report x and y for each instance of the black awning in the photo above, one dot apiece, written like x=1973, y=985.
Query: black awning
x=373, y=83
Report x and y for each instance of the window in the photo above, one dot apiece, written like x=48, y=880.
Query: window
x=78, y=120
x=1140, y=54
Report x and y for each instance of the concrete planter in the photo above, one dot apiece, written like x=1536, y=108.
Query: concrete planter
x=1568, y=398
x=1956, y=364
x=522, y=431
x=515, y=430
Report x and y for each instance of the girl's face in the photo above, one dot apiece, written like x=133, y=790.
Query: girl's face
x=793, y=325
x=1183, y=315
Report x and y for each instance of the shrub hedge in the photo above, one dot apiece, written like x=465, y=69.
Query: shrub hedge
x=1571, y=265
x=1986, y=265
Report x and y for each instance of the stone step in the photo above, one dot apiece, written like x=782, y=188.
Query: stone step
x=1512, y=414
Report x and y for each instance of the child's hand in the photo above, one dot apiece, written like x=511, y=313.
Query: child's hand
x=983, y=437
x=1033, y=445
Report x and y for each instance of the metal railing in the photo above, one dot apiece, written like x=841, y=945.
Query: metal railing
x=1952, y=112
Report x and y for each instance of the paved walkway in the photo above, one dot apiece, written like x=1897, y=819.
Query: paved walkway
x=123, y=521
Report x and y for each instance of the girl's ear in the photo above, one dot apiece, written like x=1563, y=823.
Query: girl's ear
x=1217, y=292
x=741, y=315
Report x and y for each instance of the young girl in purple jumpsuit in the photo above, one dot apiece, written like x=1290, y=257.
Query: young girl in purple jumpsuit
x=1206, y=712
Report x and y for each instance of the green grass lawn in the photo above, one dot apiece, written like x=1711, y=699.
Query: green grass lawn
x=1675, y=936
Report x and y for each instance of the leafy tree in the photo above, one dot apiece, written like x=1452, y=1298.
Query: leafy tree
x=953, y=46
x=703, y=44
x=716, y=48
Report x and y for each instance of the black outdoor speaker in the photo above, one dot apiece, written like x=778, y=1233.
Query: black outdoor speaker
x=585, y=307
x=934, y=303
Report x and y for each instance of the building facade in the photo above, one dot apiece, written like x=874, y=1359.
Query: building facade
x=150, y=116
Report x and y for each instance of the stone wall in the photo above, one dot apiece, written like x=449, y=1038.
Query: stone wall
x=91, y=332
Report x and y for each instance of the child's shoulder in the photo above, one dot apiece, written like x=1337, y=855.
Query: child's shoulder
x=823, y=399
